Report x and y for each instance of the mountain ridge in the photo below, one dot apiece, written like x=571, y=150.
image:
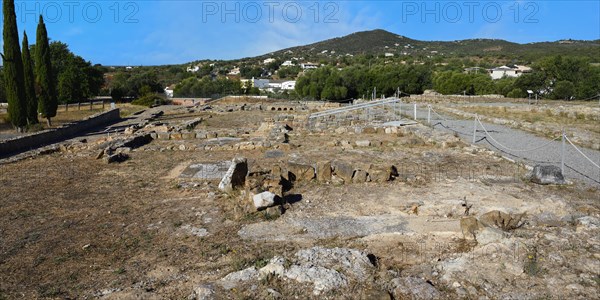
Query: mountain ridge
x=379, y=41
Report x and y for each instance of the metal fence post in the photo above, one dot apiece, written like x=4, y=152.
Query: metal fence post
x=429, y=114
x=415, y=110
x=400, y=109
x=474, y=128
x=562, y=158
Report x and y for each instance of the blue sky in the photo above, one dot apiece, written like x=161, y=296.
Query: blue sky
x=152, y=32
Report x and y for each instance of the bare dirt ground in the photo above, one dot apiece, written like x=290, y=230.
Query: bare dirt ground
x=73, y=226
x=64, y=117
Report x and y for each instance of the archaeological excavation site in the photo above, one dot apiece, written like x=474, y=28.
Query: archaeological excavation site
x=244, y=198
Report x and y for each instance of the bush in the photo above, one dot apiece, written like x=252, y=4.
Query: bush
x=5, y=118
x=516, y=93
x=150, y=100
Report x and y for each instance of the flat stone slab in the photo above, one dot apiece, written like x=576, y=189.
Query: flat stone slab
x=400, y=123
x=323, y=227
x=206, y=171
x=274, y=154
x=221, y=141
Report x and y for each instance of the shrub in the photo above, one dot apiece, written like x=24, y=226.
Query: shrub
x=515, y=93
x=150, y=100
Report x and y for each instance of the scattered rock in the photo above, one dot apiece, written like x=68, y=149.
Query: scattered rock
x=587, y=223
x=276, y=266
x=489, y=235
x=502, y=220
x=343, y=170
x=274, y=294
x=203, y=292
x=324, y=171
x=233, y=279
x=300, y=172
x=324, y=279
x=548, y=219
x=382, y=174
x=199, y=232
x=546, y=175
x=264, y=200
x=414, y=288
x=360, y=176
x=363, y=143
x=116, y=158
x=470, y=226
x=373, y=294
x=341, y=130
x=235, y=176
x=130, y=130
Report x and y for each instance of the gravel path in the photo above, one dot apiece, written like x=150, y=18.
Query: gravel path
x=511, y=142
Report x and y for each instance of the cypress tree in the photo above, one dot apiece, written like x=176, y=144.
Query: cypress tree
x=13, y=67
x=30, y=98
x=48, y=102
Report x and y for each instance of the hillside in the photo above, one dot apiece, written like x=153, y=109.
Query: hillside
x=380, y=41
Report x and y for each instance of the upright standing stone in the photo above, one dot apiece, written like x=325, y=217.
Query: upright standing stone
x=324, y=171
x=235, y=176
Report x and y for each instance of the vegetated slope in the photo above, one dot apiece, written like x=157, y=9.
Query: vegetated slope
x=380, y=41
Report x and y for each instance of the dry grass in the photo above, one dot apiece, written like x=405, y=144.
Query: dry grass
x=72, y=115
x=544, y=116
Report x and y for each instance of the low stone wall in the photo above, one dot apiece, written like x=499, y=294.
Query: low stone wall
x=55, y=135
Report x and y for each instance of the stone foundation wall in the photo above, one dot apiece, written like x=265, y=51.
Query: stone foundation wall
x=55, y=135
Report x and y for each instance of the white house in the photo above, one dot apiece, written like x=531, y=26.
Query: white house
x=277, y=85
x=260, y=83
x=193, y=68
x=287, y=63
x=234, y=71
x=308, y=66
x=509, y=71
x=288, y=85
x=268, y=61
x=388, y=54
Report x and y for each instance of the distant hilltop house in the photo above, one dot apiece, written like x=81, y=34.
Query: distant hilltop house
x=268, y=61
x=309, y=66
x=234, y=71
x=285, y=85
x=271, y=85
x=388, y=54
x=287, y=63
x=193, y=69
x=509, y=71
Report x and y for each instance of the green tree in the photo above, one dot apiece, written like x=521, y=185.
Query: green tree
x=29, y=80
x=48, y=102
x=13, y=67
x=516, y=93
x=77, y=79
x=2, y=89
x=70, y=87
x=563, y=90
